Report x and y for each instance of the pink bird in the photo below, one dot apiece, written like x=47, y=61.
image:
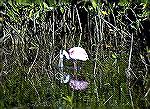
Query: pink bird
x=76, y=53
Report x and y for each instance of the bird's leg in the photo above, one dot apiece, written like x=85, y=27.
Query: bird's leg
x=75, y=68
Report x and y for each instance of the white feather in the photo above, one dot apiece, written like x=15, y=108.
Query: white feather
x=66, y=54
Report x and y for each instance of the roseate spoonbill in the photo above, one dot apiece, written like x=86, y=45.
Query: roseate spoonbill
x=76, y=53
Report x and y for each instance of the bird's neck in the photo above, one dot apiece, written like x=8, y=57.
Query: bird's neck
x=66, y=54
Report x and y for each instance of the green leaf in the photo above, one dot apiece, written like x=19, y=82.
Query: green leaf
x=104, y=12
x=94, y=4
x=31, y=48
x=62, y=10
x=45, y=5
x=68, y=98
x=141, y=56
x=31, y=13
x=114, y=56
x=37, y=15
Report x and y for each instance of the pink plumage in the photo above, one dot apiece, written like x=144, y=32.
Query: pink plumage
x=76, y=53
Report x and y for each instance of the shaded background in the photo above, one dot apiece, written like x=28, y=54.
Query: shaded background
x=115, y=35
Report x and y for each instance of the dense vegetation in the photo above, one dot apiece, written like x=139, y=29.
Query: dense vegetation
x=116, y=35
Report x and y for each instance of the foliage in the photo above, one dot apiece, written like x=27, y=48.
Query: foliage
x=111, y=32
